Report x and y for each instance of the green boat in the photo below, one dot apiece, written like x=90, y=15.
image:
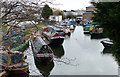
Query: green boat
x=88, y=28
x=11, y=51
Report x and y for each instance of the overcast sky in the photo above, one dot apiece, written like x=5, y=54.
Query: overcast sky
x=68, y=4
x=72, y=4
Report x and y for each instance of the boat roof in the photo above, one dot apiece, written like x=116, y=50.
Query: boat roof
x=40, y=40
x=108, y=41
x=54, y=28
x=38, y=43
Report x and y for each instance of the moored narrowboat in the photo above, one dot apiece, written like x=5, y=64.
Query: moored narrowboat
x=41, y=51
x=96, y=33
x=13, y=62
x=54, y=37
x=11, y=50
x=107, y=43
x=88, y=28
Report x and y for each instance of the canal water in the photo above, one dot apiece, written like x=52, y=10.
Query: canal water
x=79, y=55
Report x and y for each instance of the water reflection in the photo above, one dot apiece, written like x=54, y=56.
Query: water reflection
x=107, y=50
x=58, y=51
x=83, y=51
x=88, y=55
x=44, y=69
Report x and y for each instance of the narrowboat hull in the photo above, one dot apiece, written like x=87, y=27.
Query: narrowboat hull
x=53, y=35
x=44, y=69
x=20, y=68
x=57, y=41
x=43, y=60
x=107, y=50
x=107, y=44
x=86, y=32
x=41, y=51
x=96, y=35
x=13, y=63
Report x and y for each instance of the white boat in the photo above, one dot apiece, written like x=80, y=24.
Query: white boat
x=107, y=43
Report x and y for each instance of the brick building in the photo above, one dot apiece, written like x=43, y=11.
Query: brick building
x=89, y=12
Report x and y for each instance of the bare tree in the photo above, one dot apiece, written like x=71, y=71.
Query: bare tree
x=17, y=11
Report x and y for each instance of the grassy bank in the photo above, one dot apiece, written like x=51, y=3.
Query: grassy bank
x=28, y=31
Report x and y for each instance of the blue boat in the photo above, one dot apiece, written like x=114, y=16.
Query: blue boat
x=11, y=52
x=88, y=25
x=58, y=29
x=13, y=62
x=71, y=23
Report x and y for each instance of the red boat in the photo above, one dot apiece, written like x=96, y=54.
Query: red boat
x=54, y=37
